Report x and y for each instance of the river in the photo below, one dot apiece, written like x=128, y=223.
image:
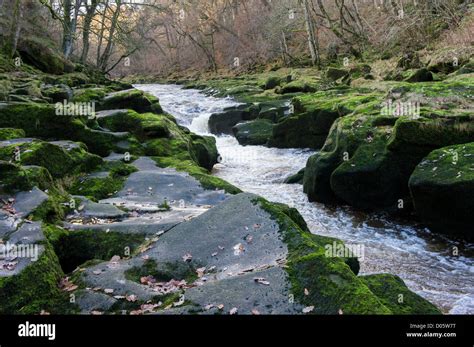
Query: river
x=424, y=261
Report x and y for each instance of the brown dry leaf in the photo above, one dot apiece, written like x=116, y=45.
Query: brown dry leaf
x=147, y=280
x=308, y=309
x=136, y=313
x=255, y=312
x=208, y=307
x=220, y=307
x=149, y=307
x=131, y=298
x=115, y=258
x=108, y=291
x=187, y=257
x=67, y=286
x=200, y=272
x=233, y=311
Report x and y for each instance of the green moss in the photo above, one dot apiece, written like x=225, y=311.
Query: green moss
x=89, y=95
x=163, y=272
x=17, y=178
x=203, y=150
x=394, y=294
x=41, y=121
x=76, y=247
x=99, y=188
x=442, y=186
x=56, y=159
x=253, y=133
x=36, y=288
x=43, y=54
x=55, y=208
x=331, y=283
x=131, y=99
x=207, y=181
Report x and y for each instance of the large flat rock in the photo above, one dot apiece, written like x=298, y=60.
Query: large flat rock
x=235, y=245
x=151, y=186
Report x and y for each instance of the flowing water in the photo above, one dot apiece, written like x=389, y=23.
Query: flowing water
x=426, y=262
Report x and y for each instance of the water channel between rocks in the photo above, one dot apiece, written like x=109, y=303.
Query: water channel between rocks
x=423, y=260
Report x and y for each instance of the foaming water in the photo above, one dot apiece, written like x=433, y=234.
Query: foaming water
x=423, y=260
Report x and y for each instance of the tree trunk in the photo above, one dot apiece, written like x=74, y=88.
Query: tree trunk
x=86, y=30
x=312, y=39
x=67, y=33
x=15, y=28
x=104, y=59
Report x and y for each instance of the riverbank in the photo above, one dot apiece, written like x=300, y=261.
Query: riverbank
x=120, y=214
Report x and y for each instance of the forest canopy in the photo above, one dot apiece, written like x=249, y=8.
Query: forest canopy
x=165, y=36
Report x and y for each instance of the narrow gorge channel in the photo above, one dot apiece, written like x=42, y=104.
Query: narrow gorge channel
x=423, y=260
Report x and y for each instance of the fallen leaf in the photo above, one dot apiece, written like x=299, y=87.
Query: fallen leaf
x=187, y=257
x=200, y=272
x=306, y=292
x=131, y=298
x=238, y=249
x=220, y=307
x=255, y=312
x=340, y=311
x=108, y=291
x=233, y=311
x=208, y=307
x=308, y=309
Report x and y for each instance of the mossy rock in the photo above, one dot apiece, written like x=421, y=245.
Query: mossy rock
x=327, y=282
x=75, y=248
x=99, y=188
x=57, y=93
x=421, y=75
x=131, y=99
x=297, y=178
x=89, y=95
x=410, y=60
x=222, y=123
x=42, y=54
x=272, y=82
x=361, y=70
x=10, y=134
x=394, y=294
x=442, y=187
x=41, y=121
x=203, y=151
x=17, y=178
x=253, y=133
x=316, y=113
x=35, y=288
x=334, y=74
x=58, y=160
